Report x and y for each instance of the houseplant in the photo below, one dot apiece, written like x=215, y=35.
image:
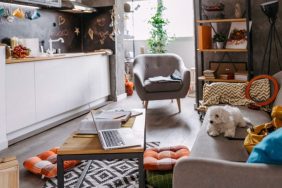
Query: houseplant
x=220, y=39
x=159, y=38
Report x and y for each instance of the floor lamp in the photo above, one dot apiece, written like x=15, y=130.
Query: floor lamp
x=270, y=9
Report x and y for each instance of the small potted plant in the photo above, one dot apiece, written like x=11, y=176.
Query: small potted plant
x=220, y=39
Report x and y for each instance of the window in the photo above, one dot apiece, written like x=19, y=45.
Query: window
x=178, y=12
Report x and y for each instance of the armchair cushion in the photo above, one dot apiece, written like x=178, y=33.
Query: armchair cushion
x=162, y=86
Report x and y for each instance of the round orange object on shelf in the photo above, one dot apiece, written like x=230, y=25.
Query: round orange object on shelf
x=275, y=92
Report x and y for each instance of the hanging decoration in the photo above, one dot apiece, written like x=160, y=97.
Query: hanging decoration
x=19, y=13
x=112, y=24
x=32, y=15
x=9, y=12
x=103, y=36
x=76, y=31
x=91, y=33
x=62, y=20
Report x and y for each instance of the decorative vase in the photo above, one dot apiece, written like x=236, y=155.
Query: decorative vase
x=238, y=10
x=219, y=45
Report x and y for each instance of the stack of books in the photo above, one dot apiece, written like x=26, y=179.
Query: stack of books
x=209, y=74
x=241, y=76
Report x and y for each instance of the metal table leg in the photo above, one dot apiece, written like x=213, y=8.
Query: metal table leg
x=60, y=170
x=82, y=176
x=141, y=172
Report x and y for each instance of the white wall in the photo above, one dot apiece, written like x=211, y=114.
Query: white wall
x=184, y=47
x=3, y=137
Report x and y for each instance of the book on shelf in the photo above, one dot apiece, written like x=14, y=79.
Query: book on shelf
x=209, y=74
x=241, y=76
x=204, y=37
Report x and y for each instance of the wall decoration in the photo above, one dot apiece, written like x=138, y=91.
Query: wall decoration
x=101, y=22
x=103, y=36
x=76, y=31
x=60, y=33
x=62, y=20
x=43, y=29
x=237, y=38
x=97, y=30
x=91, y=33
x=112, y=34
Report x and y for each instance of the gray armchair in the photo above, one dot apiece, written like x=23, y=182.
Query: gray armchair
x=147, y=66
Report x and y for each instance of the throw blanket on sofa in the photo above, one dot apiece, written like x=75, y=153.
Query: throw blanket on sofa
x=256, y=134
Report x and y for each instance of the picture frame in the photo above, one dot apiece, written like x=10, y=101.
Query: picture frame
x=238, y=36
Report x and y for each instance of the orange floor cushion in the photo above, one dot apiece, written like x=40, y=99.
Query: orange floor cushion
x=164, y=158
x=45, y=163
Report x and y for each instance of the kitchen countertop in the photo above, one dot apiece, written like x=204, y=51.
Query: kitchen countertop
x=55, y=56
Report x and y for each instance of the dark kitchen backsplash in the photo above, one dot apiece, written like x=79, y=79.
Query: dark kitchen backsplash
x=98, y=30
x=51, y=24
x=54, y=24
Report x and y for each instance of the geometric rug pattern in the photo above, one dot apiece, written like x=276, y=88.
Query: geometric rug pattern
x=105, y=173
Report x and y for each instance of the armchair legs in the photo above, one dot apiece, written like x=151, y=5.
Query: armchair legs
x=179, y=105
x=145, y=103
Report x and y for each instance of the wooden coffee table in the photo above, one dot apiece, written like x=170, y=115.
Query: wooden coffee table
x=88, y=147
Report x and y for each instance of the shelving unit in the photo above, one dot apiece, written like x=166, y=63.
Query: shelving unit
x=222, y=20
x=200, y=54
x=223, y=50
x=220, y=80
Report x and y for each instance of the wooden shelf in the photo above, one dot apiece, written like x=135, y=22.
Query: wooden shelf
x=202, y=78
x=222, y=20
x=223, y=50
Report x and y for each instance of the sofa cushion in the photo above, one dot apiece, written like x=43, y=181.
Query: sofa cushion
x=222, y=148
x=162, y=86
x=164, y=158
x=225, y=93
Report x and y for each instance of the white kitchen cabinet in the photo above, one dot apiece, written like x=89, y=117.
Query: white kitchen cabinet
x=76, y=73
x=46, y=92
x=51, y=88
x=99, y=77
x=20, y=96
x=105, y=77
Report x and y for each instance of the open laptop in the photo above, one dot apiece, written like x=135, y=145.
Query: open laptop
x=116, y=138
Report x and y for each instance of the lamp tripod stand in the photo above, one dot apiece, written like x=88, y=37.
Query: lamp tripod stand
x=271, y=9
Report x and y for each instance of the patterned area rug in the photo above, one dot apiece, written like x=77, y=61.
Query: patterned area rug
x=108, y=174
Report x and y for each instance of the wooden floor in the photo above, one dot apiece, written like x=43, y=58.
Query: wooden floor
x=164, y=124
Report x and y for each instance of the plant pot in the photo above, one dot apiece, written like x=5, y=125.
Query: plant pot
x=219, y=45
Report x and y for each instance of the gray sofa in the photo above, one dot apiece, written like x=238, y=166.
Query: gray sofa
x=220, y=163
x=146, y=66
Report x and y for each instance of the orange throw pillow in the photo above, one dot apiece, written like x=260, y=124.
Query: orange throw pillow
x=45, y=163
x=164, y=158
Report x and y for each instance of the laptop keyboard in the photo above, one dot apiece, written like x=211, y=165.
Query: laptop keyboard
x=112, y=138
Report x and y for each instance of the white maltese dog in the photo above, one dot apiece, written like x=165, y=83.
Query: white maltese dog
x=224, y=119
